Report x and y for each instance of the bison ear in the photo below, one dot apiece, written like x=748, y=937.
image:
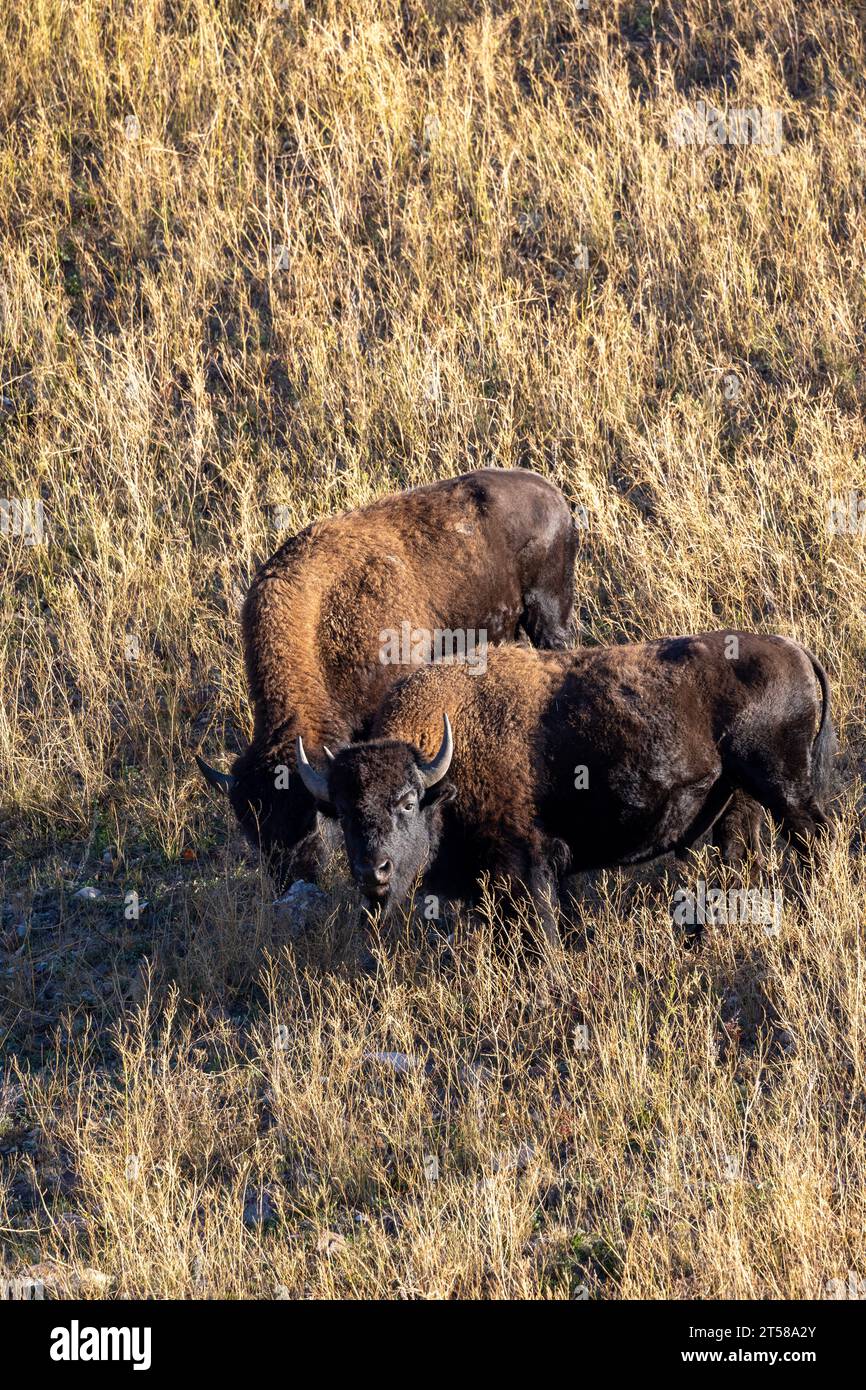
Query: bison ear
x=441, y=794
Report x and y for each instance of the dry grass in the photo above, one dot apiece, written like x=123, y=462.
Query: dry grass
x=179, y=389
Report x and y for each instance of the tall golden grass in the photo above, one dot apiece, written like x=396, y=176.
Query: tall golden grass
x=263, y=261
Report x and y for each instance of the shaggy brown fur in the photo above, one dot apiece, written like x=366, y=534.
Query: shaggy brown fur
x=618, y=753
x=491, y=550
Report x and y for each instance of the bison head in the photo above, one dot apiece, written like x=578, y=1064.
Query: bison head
x=388, y=801
x=274, y=811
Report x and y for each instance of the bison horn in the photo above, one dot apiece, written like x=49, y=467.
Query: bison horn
x=223, y=781
x=433, y=772
x=315, y=782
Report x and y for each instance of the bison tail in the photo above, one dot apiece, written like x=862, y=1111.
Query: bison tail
x=824, y=747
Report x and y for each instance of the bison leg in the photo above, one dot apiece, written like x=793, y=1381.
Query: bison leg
x=286, y=864
x=533, y=877
x=737, y=833
x=306, y=858
x=544, y=893
x=711, y=795
x=784, y=786
x=802, y=827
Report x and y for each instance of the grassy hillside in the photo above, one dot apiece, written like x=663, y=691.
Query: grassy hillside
x=263, y=261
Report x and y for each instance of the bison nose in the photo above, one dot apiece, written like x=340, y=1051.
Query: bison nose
x=377, y=875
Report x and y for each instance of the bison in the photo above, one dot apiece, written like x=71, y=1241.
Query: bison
x=330, y=617
x=596, y=757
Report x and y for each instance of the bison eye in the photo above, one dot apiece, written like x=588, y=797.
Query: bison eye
x=407, y=803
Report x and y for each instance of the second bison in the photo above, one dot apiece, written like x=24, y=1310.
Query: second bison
x=326, y=618
x=608, y=755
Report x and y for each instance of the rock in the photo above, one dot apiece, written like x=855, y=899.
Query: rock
x=87, y=894
x=60, y=1281
x=24, y=1194
x=75, y=1223
x=514, y=1159
x=398, y=1061
x=92, y=1281
x=330, y=1243
x=390, y=1223
x=301, y=904
x=474, y=1076
x=473, y=1084
x=11, y=1097
x=259, y=1208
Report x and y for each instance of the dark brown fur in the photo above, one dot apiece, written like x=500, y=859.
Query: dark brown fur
x=492, y=550
x=667, y=731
